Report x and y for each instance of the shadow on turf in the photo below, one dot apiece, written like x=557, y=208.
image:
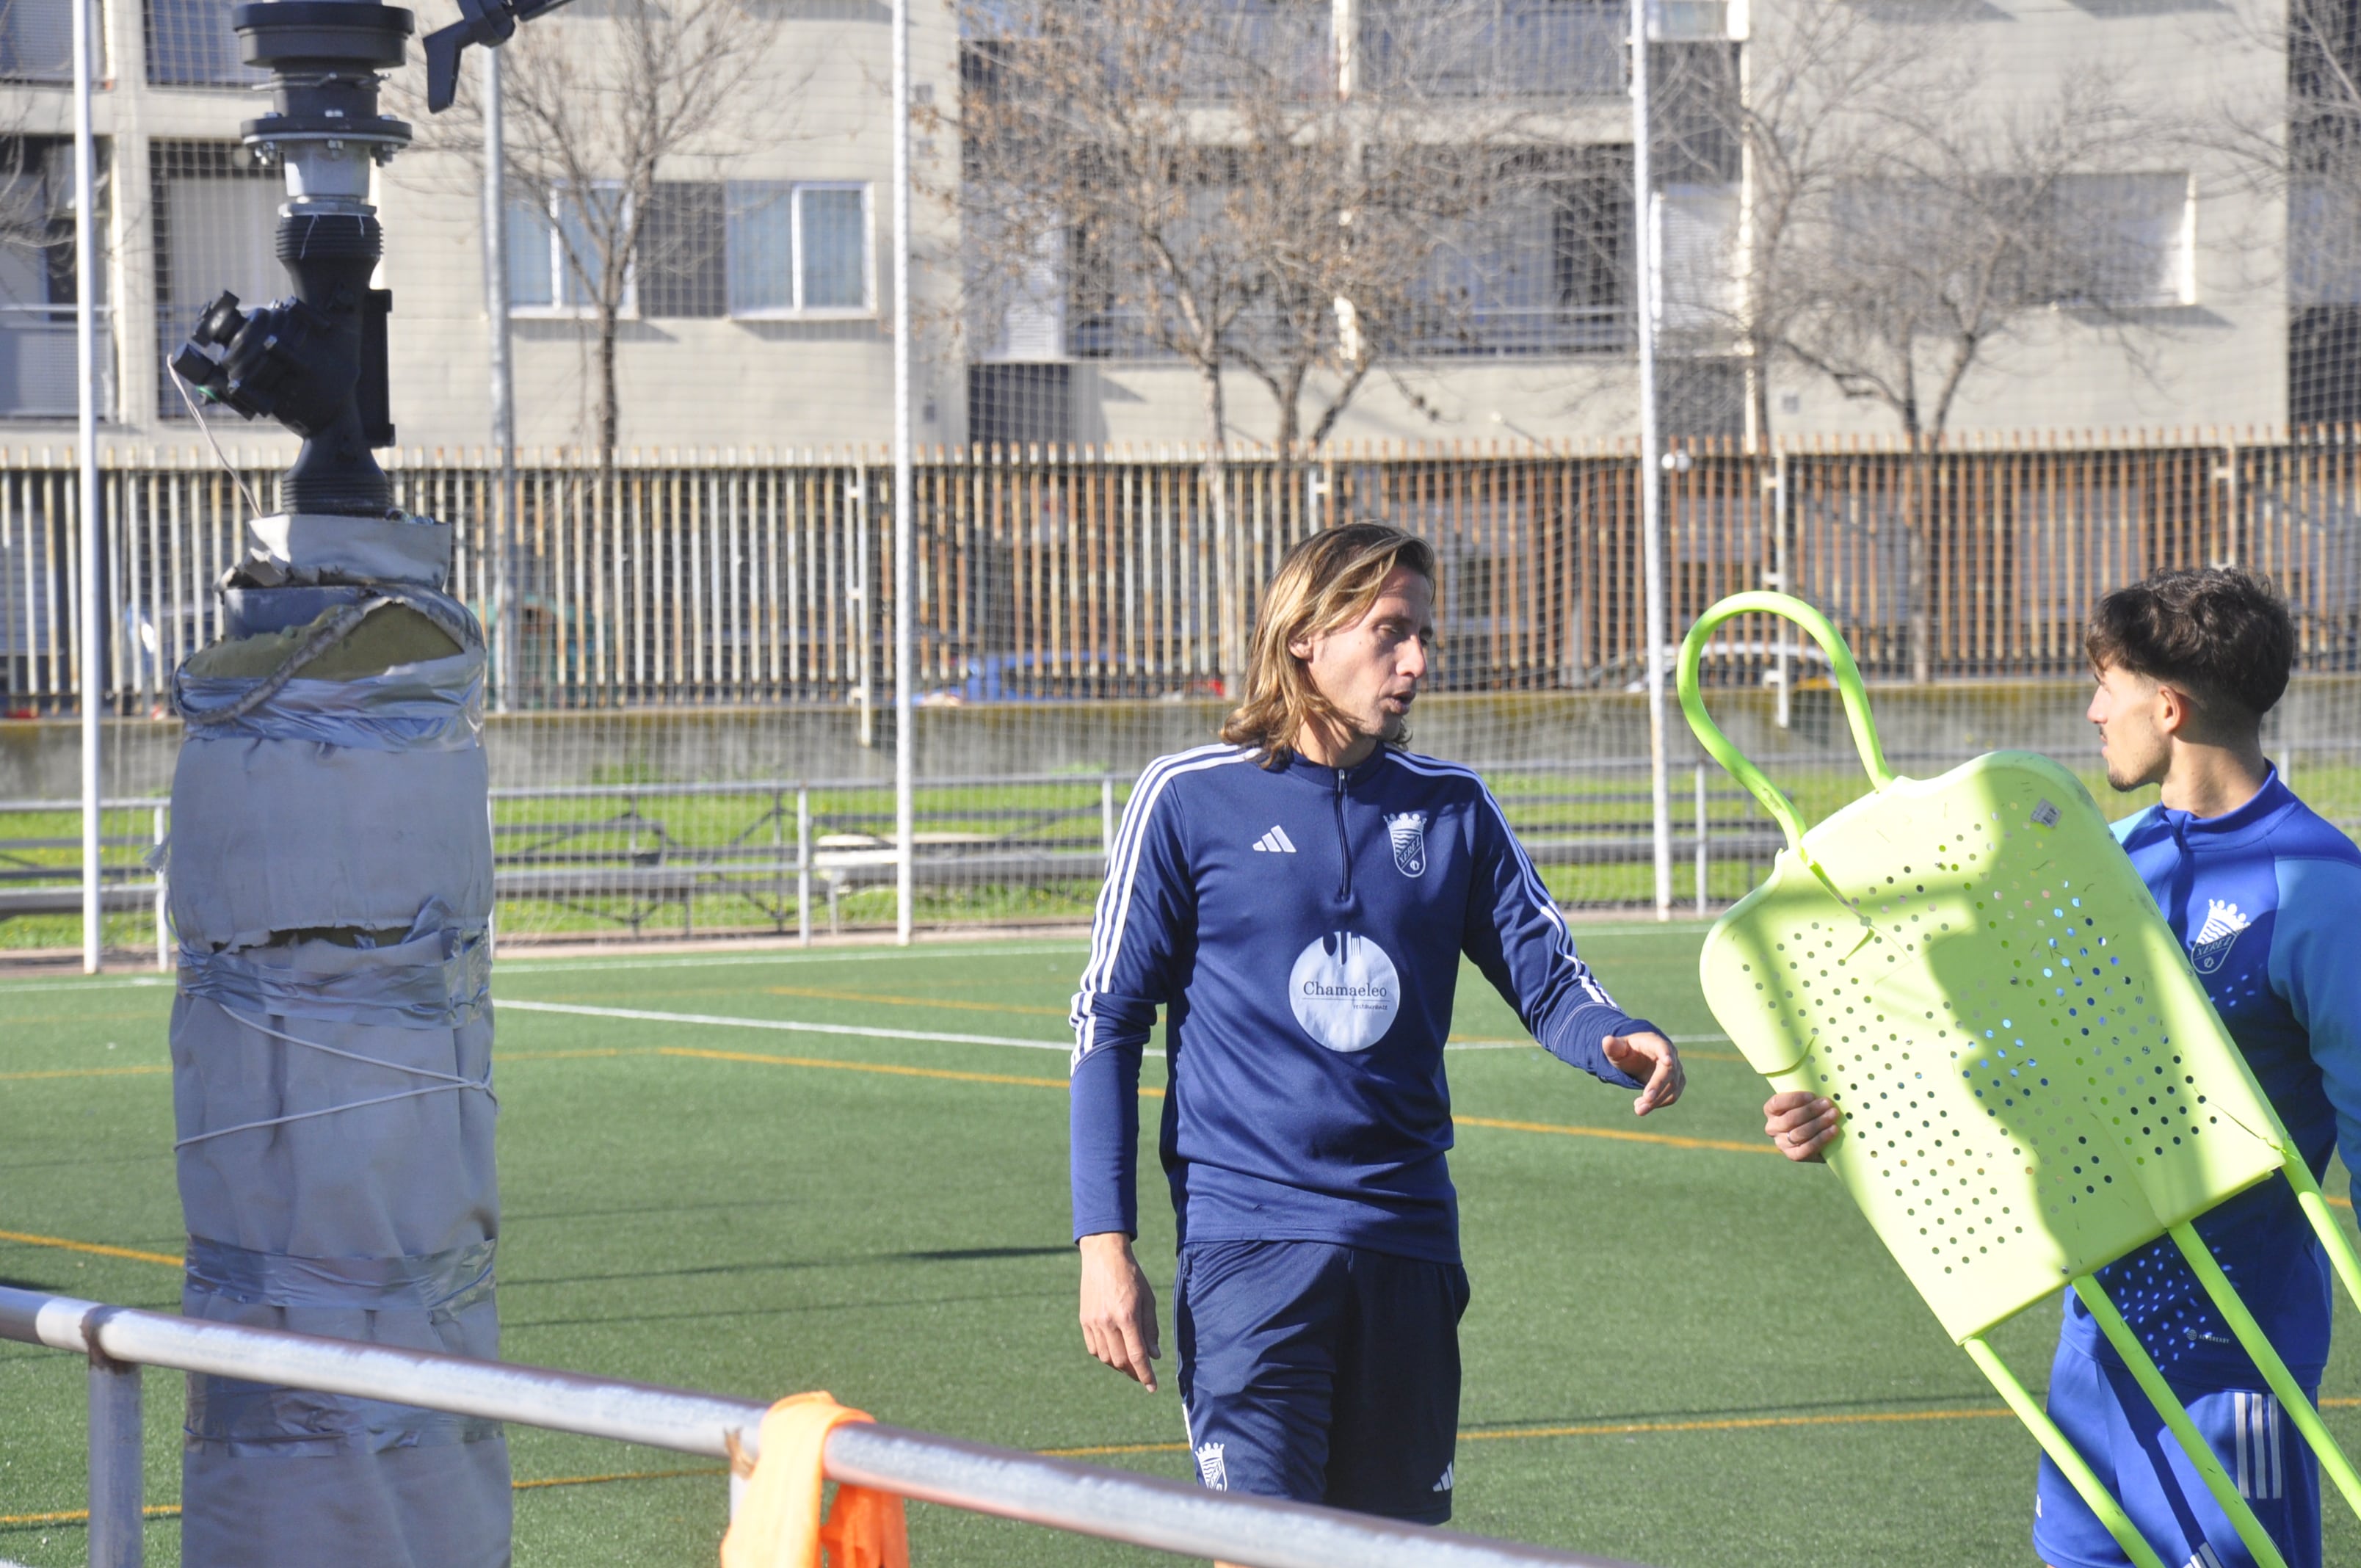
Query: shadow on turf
x=1060, y=1294
x=953, y=1254
x=1975, y=1397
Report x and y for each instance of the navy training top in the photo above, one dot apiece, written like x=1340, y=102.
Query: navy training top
x=2265, y=900
x=1302, y=927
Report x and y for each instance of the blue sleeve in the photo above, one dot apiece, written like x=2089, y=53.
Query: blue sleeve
x=1145, y=914
x=2312, y=969
x=1516, y=935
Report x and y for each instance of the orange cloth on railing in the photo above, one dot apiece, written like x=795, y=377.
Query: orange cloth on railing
x=778, y=1522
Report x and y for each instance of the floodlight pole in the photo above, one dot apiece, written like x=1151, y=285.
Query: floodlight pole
x=1652, y=464
x=502, y=542
x=86, y=464
x=904, y=547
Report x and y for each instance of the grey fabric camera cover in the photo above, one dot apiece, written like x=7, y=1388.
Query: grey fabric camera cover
x=331, y=888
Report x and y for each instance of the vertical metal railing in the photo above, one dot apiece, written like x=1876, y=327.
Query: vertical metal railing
x=117, y=1486
x=1070, y=572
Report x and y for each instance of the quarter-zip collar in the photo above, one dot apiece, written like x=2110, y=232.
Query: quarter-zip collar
x=2231, y=828
x=1315, y=776
x=1341, y=785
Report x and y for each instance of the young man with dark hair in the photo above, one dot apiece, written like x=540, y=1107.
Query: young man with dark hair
x=1297, y=899
x=2265, y=897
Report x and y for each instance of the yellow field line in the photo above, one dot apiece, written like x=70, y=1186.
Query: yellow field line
x=171, y=1510
x=1626, y=1429
x=81, y=1515
x=619, y=1475
x=83, y=1072
x=886, y=1067
x=827, y=994
x=1617, y=1134
x=570, y=1056
x=94, y=1247
x=1101, y=1451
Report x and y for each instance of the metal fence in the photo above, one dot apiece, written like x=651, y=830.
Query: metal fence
x=1113, y=1504
x=808, y=858
x=1097, y=572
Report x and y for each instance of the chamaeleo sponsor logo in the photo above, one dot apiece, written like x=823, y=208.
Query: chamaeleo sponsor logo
x=1345, y=991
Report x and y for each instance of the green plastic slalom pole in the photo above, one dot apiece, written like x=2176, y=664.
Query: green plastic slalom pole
x=2324, y=1223
x=2064, y=1454
x=2250, y=1529
x=2275, y=1371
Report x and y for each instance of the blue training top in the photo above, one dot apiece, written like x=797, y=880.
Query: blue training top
x=2267, y=899
x=1302, y=927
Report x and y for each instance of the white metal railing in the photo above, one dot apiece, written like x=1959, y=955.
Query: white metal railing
x=1115, y=1505
x=792, y=848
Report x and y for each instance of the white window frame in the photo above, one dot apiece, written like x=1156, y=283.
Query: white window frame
x=561, y=270
x=798, y=311
x=2179, y=275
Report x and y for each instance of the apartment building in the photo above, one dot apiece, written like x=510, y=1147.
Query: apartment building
x=756, y=313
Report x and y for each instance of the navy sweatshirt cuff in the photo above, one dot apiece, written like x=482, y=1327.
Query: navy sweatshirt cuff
x=1581, y=1042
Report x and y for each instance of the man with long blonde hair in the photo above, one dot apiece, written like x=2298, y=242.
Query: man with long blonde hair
x=1297, y=898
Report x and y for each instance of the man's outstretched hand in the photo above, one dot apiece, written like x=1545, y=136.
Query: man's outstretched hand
x=1119, y=1308
x=1652, y=1059
x=1801, y=1124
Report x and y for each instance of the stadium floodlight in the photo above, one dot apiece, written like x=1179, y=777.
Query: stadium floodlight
x=332, y=885
x=487, y=22
x=2099, y=1102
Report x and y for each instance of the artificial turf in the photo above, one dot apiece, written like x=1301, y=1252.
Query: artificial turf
x=1678, y=1352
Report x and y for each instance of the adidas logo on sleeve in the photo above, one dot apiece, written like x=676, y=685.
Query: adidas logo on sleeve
x=1275, y=842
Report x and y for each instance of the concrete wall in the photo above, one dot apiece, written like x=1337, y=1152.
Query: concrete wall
x=40, y=758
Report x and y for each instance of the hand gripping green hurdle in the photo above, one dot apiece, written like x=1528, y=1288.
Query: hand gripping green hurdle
x=2033, y=1082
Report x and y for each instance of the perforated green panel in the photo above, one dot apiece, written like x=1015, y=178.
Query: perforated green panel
x=2032, y=1081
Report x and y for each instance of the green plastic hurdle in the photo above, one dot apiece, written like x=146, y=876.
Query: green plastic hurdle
x=2032, y=1081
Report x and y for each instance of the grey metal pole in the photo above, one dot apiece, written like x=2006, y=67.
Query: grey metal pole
x=802, y=867
x=163, y=900
x=1701, y=861
x=86, y=463
x=1106, y=817
x=117, y=1496
x=857, y=591
x=1171, y=1516
x=1781, y=633
x=1652, y=540
x=496, y=309
x=905, y=745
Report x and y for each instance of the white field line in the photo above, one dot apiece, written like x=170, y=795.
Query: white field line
x=9, y=988
x=789, y=1026
x=804, y=1026
x=723, y=960
x=718, y=961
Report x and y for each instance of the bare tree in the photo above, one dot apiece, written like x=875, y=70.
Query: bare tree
x=2305, y=150
x=1226, y=185
x=1904, y=225
x=1800, y=121
x=1952, y=239
x=603, y=97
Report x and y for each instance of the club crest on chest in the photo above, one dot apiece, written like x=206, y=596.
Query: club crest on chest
x=1408, y=833
x=2210, y=948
